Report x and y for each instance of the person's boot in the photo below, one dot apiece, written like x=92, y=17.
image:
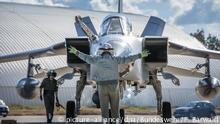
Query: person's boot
x=49, y=118
x=49, y=121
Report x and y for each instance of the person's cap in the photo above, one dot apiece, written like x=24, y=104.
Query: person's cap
x=51, y=73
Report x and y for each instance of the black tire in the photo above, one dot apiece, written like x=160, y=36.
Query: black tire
x=122, y=116
x=4, y=115
x=95, y=99
x=190, y=116
x=110, y=114
x=166, y=112
x=198, y=118
x=178, y=118
x=212, y=115
x=70, y=110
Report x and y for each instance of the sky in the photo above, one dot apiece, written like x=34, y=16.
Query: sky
x=188, y=15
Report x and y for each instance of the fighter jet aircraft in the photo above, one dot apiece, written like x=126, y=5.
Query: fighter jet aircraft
x=116, y=29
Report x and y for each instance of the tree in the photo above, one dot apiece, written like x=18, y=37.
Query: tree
x=211, y=42
x=199, y=35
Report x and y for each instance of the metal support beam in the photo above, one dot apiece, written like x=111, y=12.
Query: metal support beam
x=206, y=65
x=30, y=71
x=120, y=6
x=207, y=70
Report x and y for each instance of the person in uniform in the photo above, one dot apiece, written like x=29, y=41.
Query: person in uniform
x=80, y=85
x=50, y=92
x=106, y=76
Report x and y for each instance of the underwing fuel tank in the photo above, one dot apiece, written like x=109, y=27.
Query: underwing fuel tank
x=27, y=88
x=208, y=88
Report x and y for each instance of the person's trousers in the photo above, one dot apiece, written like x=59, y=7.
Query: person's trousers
x=79, y=89
x=109, y=94
x=49, y=105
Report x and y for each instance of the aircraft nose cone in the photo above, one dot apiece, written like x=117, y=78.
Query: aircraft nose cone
x=121, y=48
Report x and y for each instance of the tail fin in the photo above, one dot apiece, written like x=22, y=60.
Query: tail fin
x=120, y=6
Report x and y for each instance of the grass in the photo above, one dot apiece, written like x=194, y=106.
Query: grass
x=18, y=107
x=31, y=110
x=139, y=110
x=40, y=110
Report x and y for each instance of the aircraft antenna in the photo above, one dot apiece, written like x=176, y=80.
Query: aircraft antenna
x=120, y=6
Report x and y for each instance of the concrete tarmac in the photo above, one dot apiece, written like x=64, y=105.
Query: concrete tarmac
x=129, y=119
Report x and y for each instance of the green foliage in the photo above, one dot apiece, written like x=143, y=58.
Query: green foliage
x=211, y=42
x=199, y=35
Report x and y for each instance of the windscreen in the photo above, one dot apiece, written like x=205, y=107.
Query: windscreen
x=1, y=102
x=111, y=26
x=191, y=104
x=115, y=26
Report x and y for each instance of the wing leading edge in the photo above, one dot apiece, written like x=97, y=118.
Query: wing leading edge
x=183, y=50
x=54, y=50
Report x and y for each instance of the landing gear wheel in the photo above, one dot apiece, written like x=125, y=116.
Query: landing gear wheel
x=70, y=110
x=95, y=99
x=212, y=115
x=110, y=113
x=166, y=112
x=190, y=116
x=122, y=116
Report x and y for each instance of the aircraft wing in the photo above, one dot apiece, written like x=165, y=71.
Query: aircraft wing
x=54, y=50
x=184, y=50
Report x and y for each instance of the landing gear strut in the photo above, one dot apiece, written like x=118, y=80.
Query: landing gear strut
x=157, y=88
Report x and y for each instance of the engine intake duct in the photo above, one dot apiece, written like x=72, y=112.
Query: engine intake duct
x=81, y=44
x=157, y=47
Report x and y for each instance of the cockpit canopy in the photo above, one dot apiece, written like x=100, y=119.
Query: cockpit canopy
x=115, y=24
